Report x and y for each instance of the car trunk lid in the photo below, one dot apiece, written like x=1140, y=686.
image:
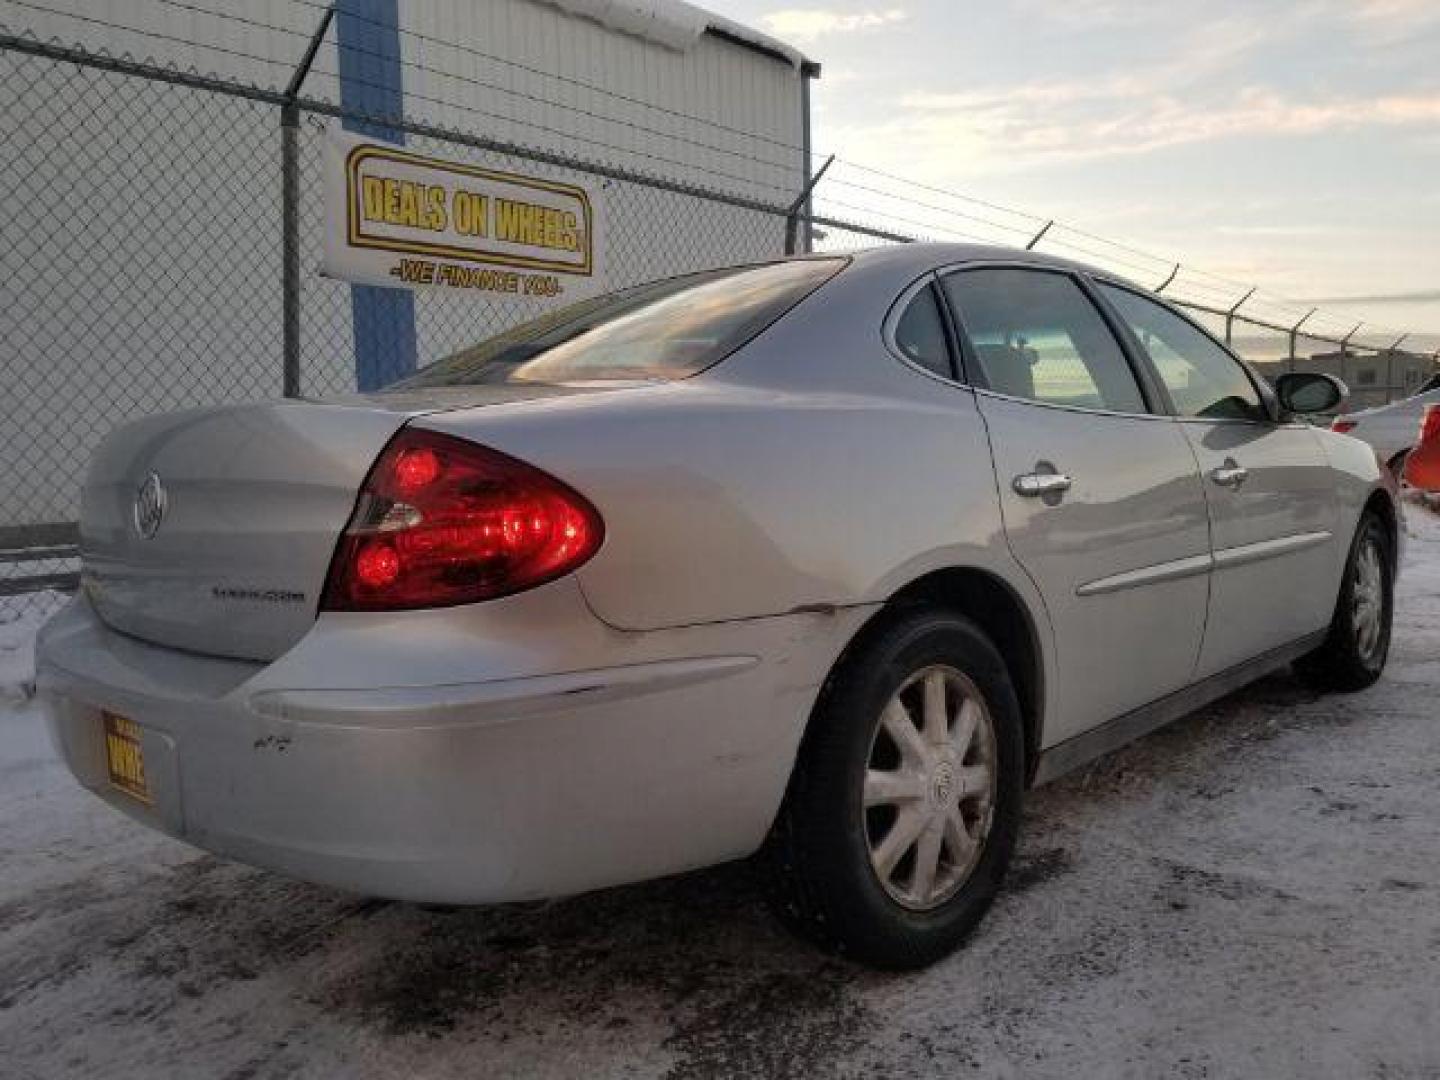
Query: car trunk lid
x=212, y=530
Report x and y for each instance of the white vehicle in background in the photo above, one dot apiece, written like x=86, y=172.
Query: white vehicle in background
x=1391, y=429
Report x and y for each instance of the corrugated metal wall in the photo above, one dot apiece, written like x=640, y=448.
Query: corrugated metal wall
x=151, y=231
x=718, y=114
x=749, y=102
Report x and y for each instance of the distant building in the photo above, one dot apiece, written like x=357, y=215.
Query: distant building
x=1373, y=378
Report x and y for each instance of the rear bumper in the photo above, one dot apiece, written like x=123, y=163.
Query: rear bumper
x=478, y=788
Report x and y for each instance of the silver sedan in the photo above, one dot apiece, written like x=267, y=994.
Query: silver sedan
x=825, y=560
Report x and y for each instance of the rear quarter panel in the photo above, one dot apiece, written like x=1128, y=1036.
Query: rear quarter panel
x=1358, y=475
x=724, y=502
x=812, y=468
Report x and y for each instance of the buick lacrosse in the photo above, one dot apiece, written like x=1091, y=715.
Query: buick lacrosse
x=823, y=560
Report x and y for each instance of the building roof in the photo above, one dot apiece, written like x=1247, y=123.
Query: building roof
x=678, y=25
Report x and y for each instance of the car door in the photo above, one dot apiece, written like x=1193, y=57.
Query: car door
x=1268, y=485
x=1101, y=500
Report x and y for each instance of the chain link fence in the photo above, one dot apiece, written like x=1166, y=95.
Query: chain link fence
x=146, y=268
x=145, y=264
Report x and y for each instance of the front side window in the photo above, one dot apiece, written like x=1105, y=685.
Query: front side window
x=665, y=330
x=1036, y=335
x=1203, y=379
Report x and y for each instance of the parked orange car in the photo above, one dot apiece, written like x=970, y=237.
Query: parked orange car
x=1422, y=468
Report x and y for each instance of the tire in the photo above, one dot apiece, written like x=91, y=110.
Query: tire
x=824, y=882
x=1356, y=648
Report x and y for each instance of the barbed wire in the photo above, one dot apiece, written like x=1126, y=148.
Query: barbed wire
x=833, y=181
x=786, y=166
x=787, y=191
x=533, y=125
x=509, y=62
x=155, y=35
x=889, y=207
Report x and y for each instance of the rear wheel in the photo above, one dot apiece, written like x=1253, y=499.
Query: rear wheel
x=1358, y=643
x=904, y=806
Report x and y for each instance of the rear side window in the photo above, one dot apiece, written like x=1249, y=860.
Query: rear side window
x=1203, y=379
x=920, y=334
x=665, y=330
x=1036, y=335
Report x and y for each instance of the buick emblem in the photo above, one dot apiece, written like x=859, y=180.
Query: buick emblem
x=149, y=508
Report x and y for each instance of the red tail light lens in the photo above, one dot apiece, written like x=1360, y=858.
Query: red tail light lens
x=1429, y=425
x=1341, y=425
x=443, y=521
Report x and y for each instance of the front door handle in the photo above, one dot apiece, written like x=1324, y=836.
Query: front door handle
x=1229, y=475
x=1039, y=485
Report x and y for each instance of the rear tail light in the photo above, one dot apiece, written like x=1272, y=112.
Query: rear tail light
x=1429, y=426
x=1342, y=425
x=1422, y=464
x=443, y=521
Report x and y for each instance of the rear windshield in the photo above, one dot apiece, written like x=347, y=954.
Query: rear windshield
x=665, y=330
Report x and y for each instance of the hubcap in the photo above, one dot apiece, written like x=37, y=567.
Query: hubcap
x=930, y=787
x=1367, y=598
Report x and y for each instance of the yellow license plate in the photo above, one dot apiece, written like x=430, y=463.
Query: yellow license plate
x=125, y=757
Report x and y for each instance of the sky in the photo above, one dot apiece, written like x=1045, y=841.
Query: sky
x=1296, y=144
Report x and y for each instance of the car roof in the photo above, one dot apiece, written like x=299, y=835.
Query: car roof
x=922, y=256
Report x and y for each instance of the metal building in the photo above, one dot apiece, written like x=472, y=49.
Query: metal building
x=143, y=216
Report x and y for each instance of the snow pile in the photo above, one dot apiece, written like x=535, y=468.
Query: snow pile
x=1422, y=528
x=671, y=23
x=17, y=641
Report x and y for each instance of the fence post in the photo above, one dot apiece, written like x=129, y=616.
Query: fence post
x=1295, y=335
x=1039, y=235
x=1345, y=349
x=290, y=211
x=792, y=216
x=1390, y=386
x=1230, y=315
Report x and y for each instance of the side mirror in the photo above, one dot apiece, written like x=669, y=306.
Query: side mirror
x=1307, y=393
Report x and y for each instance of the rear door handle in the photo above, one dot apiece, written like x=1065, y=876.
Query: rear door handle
x=1229, y=474
x=1038, y=485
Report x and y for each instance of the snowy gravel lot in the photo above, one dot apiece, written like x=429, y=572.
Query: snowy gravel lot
x=1253, y=892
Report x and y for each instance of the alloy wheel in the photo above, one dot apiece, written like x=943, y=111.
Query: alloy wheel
x=929, y=787
x=1367, y=597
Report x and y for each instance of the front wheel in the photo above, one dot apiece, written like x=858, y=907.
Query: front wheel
x=905, y=803
x=1358, y=643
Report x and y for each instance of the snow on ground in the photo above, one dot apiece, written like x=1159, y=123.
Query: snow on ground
x=1254, y=891
x=18, y=623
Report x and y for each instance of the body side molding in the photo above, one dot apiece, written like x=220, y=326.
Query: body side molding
x=1269, y=549
x=1201, y=564
x=1148, y=575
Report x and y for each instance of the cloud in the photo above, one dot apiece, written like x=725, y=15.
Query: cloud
x=1403, y=12
x=1389, y=22
x=1217, y=47
x=1424, y=296
x=1293, y=230
x=1053, y=122
x=1090, y=14
x=807, y=24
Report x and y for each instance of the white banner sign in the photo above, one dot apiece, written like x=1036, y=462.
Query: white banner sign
x=400, y=219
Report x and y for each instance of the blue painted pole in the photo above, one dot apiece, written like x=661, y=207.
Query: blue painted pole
x=371, y=83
